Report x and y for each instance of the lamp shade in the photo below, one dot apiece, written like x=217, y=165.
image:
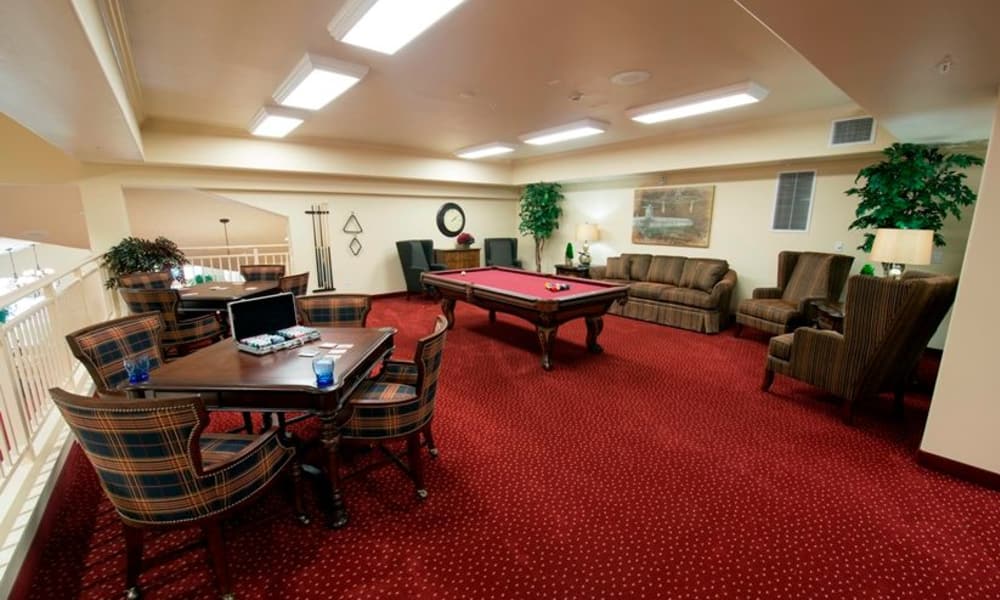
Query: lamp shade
x=904, y=246
x=587, y=232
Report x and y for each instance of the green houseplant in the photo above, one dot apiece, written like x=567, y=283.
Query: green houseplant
x=915, y=187
x=569, y=254
x=132, y=255
x=540, y=212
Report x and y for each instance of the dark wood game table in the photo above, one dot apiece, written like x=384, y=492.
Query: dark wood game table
x=215, y=295
x=283, y=381
x=523, y=294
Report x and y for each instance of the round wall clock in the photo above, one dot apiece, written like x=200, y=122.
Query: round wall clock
x=451, y=219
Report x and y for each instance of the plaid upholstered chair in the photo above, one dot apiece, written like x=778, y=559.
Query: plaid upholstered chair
x=803, y=278
x=159, y=280
x=262, y=272
x=887, y=325
x=399, y=404
x=103, y=348
x=297, y=284
x=501, y=252
x=159, y=470
x=334, y=310
x=180, y=336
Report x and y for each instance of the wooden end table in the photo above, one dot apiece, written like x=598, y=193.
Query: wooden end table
x=574, y=271
x=829, y=316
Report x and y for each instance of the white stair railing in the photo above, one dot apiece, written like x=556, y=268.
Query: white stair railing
x=223, y=262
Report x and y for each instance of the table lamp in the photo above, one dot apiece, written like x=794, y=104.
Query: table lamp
x=901, y=247
x=585, y=233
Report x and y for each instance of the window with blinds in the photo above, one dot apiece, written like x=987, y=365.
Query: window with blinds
x=793, y=203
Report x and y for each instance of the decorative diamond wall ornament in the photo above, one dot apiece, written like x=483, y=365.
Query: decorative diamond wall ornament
x=355, y=246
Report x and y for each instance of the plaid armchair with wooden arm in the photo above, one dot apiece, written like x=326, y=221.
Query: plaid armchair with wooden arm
x=297, y=284
x=887, y=326
x=159, y=470
x=179, y=335
x=334, y=310
x=158, y=280
x=803, y=278
x=103, y=347
x=262, y=272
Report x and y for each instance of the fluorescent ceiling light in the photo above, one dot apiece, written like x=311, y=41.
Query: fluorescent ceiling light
x=569, y=131
x=386, y=25
x=731, y=96
x=273, y=121
x=317, y=80
x=484, y=150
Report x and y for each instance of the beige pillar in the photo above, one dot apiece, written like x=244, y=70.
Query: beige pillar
x=104, y=210
x=964, y=420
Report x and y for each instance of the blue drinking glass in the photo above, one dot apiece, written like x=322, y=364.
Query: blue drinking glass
x=323, y=367
x=132, y=369
x=142, y=365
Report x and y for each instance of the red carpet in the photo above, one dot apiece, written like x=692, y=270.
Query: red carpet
x=654, y=470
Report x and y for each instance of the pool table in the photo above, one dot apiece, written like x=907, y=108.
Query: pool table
x=523, y=294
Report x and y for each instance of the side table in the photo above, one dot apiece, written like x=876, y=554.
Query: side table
x=574, y=271
x=829, y=316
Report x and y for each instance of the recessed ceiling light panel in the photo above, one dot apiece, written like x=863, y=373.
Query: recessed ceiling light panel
x=317, y=80
x=276, y=122
x=562, y=133
x=731, y=96
x=485, y=150
x=386, y=25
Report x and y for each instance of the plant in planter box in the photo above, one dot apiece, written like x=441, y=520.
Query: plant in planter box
x=915, y=187
x=540, y=212
x=133, y=255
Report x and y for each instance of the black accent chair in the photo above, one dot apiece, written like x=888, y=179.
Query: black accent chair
x=416, y=256
x=501, y=252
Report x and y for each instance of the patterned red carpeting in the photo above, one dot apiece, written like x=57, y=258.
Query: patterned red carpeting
x=654, y=470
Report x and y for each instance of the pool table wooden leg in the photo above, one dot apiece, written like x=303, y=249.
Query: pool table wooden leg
x=594, y=327
x=448, y=308
x=547, y=338
x=493, y=316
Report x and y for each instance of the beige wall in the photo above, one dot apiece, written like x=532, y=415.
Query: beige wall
x=43, y=213
x=191, y=218
x=964, y=414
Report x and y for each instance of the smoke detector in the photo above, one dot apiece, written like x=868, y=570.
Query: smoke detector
x=630, y=77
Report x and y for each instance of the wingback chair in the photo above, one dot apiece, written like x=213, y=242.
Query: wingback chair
x=399, y=404
x=158, y=280
x=102, y=348
x=159, y=470
x=803, y=278
x=180, y=336
x=416, y=256
x=296, y=284
x=501, y=252
x=887, y=325
x=334, y=310
x=262, y=272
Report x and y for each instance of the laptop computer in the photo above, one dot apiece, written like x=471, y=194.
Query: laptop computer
x=268, y=324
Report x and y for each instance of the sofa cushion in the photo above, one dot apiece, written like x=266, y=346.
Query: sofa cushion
x=666, y=269
x=617, y=268
x=703, y=273
x=773, y=310
x=647, y=290
x=638, y=265
x=687, y=297
x=812, y=270
x=780, y=346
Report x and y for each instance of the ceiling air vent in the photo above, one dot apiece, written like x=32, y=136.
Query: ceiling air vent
x=860, y=130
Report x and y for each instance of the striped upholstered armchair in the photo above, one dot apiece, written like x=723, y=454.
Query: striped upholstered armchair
x=262, y=272
x=159, y=469
x=334, y=310
x=158, y=280
x=399, y=404
x=803, y=278
x=887, y=325
x=103, y=348
x=180, y=336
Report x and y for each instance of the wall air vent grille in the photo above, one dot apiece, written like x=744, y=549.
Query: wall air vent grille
x=852, y=131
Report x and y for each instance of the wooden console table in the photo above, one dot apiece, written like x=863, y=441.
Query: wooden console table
x=573, y=271
x=458, y=258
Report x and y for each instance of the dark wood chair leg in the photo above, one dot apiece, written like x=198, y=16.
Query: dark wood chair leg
x=217, y=552
x=300, y=508
x=416, y=463
x=429, y=438
x=738, y=330
x=133, y=560
x=248, y=422
x=768, y=380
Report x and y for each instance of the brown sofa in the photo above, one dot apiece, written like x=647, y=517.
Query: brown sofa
x=690, y=293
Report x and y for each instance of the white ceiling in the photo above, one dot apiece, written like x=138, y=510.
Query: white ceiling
x=215, y=63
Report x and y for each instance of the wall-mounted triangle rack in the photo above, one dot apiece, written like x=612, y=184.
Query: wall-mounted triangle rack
x=352, y=225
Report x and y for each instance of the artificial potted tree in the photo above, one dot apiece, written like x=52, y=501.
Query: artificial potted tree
x=915, y=187
x=134, y=255
x=540, y=212
x=569, y=254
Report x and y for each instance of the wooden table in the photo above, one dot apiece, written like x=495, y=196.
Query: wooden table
x=523, y=294
x=573, y=271
x=228, y=379
x=458, y=258
x=215, y=295
x=829, y=316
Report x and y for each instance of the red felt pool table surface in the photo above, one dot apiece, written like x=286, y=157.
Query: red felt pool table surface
x=523, y=294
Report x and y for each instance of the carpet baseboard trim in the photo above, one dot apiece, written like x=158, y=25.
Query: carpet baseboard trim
x=987, y=479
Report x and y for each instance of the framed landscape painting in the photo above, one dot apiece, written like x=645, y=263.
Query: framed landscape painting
x=673, y=215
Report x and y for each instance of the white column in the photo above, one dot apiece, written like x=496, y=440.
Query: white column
x=104, y=210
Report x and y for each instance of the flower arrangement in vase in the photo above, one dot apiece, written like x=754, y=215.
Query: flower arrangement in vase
x=465, y=239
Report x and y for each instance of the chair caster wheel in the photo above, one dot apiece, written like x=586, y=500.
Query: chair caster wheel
x=132, y=594
x=422, y=494
x=433, y=452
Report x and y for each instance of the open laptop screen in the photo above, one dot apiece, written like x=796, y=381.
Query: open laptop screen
x=266, y=314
